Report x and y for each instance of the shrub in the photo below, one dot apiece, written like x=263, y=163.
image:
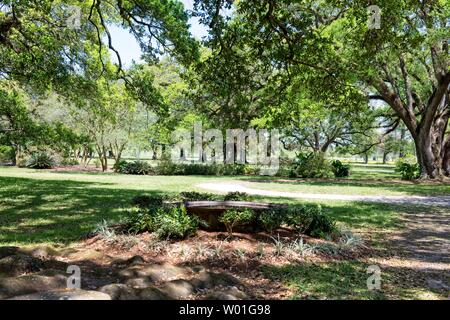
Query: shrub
x=252, y=170
x=340, y=170
x=120, y=166
x=236, y=196
x=310, y=220
x=198, y=196
x=198, y=169
x=165, y=221
x=139, y=220
x=311, y=165
x=6, y=154
x=138, y=167
x=175, y=223
x=407, y=169
x=146, y=201
x=69, y=162
x=233, y=169
x=166, y=167
x=271, y=219
x=40, y=160
x=236, y=217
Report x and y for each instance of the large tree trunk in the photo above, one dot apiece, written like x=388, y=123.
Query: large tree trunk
x=446, y=157
x=385, y=154
x=433, y=151
x=428, y=130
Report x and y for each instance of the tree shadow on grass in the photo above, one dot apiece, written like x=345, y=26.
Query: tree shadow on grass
x=57, y=211
x=348, y=280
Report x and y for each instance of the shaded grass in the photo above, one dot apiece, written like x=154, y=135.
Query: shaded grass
x=347, y=280
x=332, y=280
x=66, y=207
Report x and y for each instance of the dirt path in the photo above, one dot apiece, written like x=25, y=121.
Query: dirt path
x=420, y=259
x=413, y=200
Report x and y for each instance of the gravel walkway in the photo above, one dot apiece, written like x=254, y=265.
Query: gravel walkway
x=413, y=200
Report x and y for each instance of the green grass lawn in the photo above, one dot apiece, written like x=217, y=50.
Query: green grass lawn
x=59, y=208
x=43, y=206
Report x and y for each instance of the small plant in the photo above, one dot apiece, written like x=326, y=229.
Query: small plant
x=127, y=241
x=218, y=250
x=241, y=254
x=201, y=250
x=236, y=196
x=340, y=170
x=236, y=217
x=104, y=230
x=40, y=160
x=348, y=239
x=185, y=252
x=407, y=169
x=279, y=246
x=260, y=250
x=300, y=247
x=97, y=163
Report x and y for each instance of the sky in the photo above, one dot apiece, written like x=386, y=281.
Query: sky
x=128, y=47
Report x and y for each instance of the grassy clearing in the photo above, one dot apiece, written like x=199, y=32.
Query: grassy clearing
x=60, y=207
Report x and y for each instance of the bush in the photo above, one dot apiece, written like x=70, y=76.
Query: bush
x=175, y=223
x=310, y=220
x=311, y=165
x=407, y=169
x=138, y=167
x=120, y=166
x=166, y=221
x=198, y=196
x=233, y=169
x=69, y=162
x=236, y=196
x=236, y=217
x=6, y=154
x=146, y=201
x=40, y=160
x=271, y=219
x=340, y=170
x=139, y=220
